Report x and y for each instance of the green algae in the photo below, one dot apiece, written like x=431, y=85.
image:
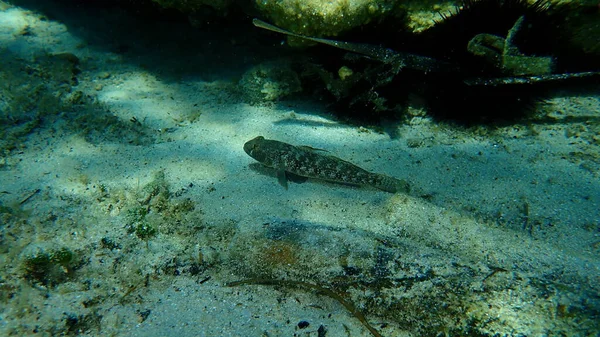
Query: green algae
x=49, y=268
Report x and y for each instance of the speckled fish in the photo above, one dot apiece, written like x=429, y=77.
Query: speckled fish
x=313, y=163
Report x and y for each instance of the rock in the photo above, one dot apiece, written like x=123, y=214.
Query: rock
x=269, y=81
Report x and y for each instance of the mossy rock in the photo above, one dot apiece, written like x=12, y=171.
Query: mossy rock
x=269, y=81
x=323, y=18
x=155, y=210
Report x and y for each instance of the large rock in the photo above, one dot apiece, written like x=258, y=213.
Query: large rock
x=324, y=18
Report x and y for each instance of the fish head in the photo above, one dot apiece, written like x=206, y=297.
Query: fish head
x=253, y=148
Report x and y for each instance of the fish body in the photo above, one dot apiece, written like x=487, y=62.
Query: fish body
x=313, y=163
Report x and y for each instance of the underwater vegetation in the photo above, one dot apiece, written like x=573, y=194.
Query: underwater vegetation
x=42, y=91
x=155, y=209
x=412, y=283
x=37, y=272
x=489, y=61
x=31, y=92
x=49, y=268
x=320, y=289
x=121, y=246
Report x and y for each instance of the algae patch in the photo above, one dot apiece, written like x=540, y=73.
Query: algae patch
x=49, y=268
x=41, y=93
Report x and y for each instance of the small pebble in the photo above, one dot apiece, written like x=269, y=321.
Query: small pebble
x=303, y=324
x=104, y=75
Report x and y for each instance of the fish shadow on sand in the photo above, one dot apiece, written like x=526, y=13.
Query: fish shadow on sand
x=307, y=122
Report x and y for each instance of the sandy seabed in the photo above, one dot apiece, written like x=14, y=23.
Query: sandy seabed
x=128, y=205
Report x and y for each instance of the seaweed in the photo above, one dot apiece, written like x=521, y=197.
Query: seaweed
x=49, y=268
x=323, y=290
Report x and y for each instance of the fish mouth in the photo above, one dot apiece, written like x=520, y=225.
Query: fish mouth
x=249, y=148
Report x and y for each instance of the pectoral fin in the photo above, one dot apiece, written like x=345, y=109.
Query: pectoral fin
x=282, y=178
x=295, y=178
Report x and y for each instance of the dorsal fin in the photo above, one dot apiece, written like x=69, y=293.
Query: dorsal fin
x=310, y=148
